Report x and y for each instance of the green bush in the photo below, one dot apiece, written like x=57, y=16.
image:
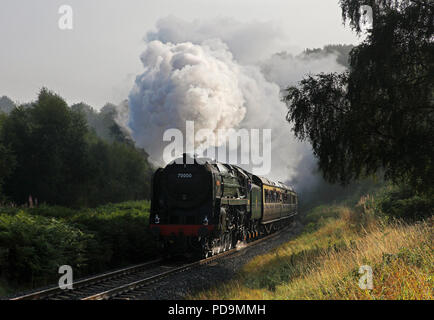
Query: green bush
x=121, y=232
x=317, y=217
x=52, y=211
x=33, y=247
x=402, y=202
x=34, y=242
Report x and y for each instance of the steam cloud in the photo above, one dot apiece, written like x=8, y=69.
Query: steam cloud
x=222, y=75
x=185, y=82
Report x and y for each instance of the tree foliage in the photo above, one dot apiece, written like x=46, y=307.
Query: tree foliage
x=48, y=141
x=57, y=159
x=7, y=159
x=379, y=114
x=103, y=123
x=6, y=105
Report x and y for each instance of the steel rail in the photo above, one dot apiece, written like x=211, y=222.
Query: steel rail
x=141, y=283
x=45, y=293
x=110, y=293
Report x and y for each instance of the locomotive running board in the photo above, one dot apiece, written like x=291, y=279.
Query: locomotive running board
x=234, y=202
x=280, y=219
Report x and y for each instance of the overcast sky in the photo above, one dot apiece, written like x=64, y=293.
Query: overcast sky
x=97, y=61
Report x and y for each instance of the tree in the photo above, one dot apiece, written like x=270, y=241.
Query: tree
x=379, y=114
x=6, y=105
x=48, y=151
x=120, y=172
x=104, y=122
x=48, y=140
x=7, y=159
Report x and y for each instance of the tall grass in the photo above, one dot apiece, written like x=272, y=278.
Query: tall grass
x=323, y=263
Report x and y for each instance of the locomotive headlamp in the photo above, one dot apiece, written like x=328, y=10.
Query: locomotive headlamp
x=157, y=219
x=205, y=221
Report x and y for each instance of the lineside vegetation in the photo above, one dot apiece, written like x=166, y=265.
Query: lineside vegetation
x=323, y=262
x=34, y=242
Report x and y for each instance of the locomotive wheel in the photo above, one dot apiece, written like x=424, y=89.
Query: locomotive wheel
x=219, y=245
x=227, y=242
x=234, y=239
x=206, y=254
x=215, y=247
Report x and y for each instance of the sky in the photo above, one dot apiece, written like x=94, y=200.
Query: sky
x=97, y=61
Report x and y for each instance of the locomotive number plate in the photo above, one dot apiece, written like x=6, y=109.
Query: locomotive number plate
x=185, y=175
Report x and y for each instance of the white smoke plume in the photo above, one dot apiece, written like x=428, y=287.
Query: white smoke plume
x=123, y=116
x=221, y=75
x=248, y=42
x=185, y=82
x=286, y=69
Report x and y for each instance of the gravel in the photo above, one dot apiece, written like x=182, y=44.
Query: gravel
x=178, y=286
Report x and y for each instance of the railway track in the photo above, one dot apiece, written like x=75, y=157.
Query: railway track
x=128, y=282
x=91, y=285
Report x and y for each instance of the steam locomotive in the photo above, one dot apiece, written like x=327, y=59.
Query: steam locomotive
x=203, y=207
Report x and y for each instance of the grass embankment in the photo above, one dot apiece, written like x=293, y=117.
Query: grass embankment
x=324, y=261
x=35, y=242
